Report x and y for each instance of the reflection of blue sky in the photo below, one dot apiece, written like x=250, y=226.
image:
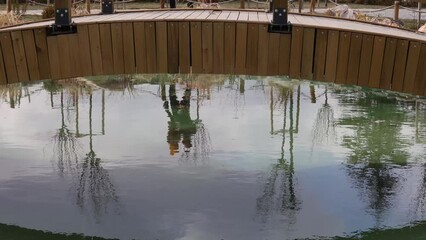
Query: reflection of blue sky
x=161, y=197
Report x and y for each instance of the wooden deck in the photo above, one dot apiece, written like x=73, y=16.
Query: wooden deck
x=221, y=42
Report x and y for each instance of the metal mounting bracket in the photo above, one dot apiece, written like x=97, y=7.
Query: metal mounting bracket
x=54, y=29
x=280, y=22
x=107, y=7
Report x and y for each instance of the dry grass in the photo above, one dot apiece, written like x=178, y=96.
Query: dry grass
x=7, y=19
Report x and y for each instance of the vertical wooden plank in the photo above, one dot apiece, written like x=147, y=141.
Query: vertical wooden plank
x=263, y=50
x=84, y=51
x=377, y=61
x=161, y=41
x=106, y=48
x=399, y=68
x=95, y=49
x=229, y=63
x=343, y=57
x=411, y=67
x=388, y=63
x=308, y=53
x=54, y=62
x=151, y=49
x=75, y=63
x=296, y=52
x=207, y=45
x=129, y=48
x=284, y=56
x=252, y=48
x=9, y=58
x=64, y=56
x=320, y=54
x=218, y=47
x=42, y=53
x=366, y=57
x=196, y=48
x=331, y=59
x=273, y=65
x=20, y=57
x=354, y=59
x=140, y=47
x=173, y=47
x=117, y=48
x=420, y=81
x=3, y=78
x=31, y=53
x=184, y=48
x=241, y=48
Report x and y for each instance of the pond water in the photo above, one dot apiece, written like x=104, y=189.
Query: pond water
x=210, y=157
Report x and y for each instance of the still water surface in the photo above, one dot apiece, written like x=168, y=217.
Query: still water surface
x=211, y=157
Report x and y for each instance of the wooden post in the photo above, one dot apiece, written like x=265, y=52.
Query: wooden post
x=63, y=12
x=88, y=6
x=419, y=7
x=280, y=22
x=396, y=11
x=9, y=5
x=242, y=4
x=300, y=6
x=280, y=4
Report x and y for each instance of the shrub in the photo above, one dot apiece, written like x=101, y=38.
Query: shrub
x=48, y=12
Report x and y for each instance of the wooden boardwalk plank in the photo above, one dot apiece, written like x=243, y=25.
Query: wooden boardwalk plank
x=207, y=45
x=9, y=57
x=308, y=53
x=55, y=68
x=243, y=16
x=241, y=48
x=218, y=47
x=343, y=57
x=196, y=48
x=173, y=47
x=84, y=49
x=129, y=49
x=253, y=17
x=354, y=59
x=106, y=48
x=284, y=56
x=140, y=47
x=214, y=15
x=388, y=64
x=296, y=52
x=31, y=54
x=263, y=50
x=161, y=41
x=229, y=55
x=224, y=15
x=117, y=47
x=320, y=54
x=233, y=16
x=411, y=69
x=20, y=56
x=151, y=51
x=184, y=47
x=95, y=49
x=252, y=49
x=377, y=61
x=366, y=57
x=399, y=68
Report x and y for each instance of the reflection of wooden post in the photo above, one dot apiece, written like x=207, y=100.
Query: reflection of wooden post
x=242, y=4
x=88, y=6
x=9, y=5
x=396, y=11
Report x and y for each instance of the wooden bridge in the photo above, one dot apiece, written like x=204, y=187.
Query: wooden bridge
x=220, y=42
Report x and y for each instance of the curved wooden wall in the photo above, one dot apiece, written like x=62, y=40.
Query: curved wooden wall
x=219, y=47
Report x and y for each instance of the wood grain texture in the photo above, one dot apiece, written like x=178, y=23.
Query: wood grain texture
x=252, y=49
x=95, y=49
x=184, y=47
x=129, y=49
x=117, y=48
x=308, y=53
x=354, y=59
x=151, y=49
x=3, y=77
x=400, y=63
x=64, y=56
x=207, y=46
x=343, y=57
x=263, y=50
x=284, y=56
x=196, y=48
x=229, y=55
x=241, y=48
x=388, y=64
x=332, y=53
x=106, y=49
x=140, y=47
x=173, y=47
x=320, y=54
x=31, y=54
x=20, y=56
x=161, y=41
x=366, y=57
x=84, y=51
x=218, y=47
x=296, y=52
x=412, y=65
x=273, y=65
x=42, y=53
x=377, y=61
x=55, y=68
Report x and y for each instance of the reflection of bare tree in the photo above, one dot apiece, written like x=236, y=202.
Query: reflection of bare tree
x=280, y=193
x=13, y=93
x=324, y=128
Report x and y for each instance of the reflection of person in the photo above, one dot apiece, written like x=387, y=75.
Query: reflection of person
x=181, y=127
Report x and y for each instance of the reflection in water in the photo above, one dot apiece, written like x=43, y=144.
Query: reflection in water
x=380, y=162
x=280, y=191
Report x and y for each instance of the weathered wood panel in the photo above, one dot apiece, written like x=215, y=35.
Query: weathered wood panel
x=366, y=57
x=207, y=45
x=3, y=77
x=75, y=63
x=377, y=61
x=106, y=49
x=161, y=41
x=151, y=51
x=252, y=49
x=399, y=68
x=241, y=48
x=263, y=50
x=173, y=47
x=129, y=49
x=31, y=54
x=196, y=48
x=42, y=53
x=388, y=64
x=20, y=56
x=354, y=58
x=284, y=56
x=411, y=69
x=9, y=58
x=95, y=49
x=320, y=54
x=64, y=56
x=343, y=57
x=184, y=47
x=273, y=54
x=420, y=81
x=229, y=48
x=84, y=50
x=308, y=53
x=218, y=47
x=140, y=47
x=332, y=53
x=55, y=68
x=117, y=48
x=296, y=52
